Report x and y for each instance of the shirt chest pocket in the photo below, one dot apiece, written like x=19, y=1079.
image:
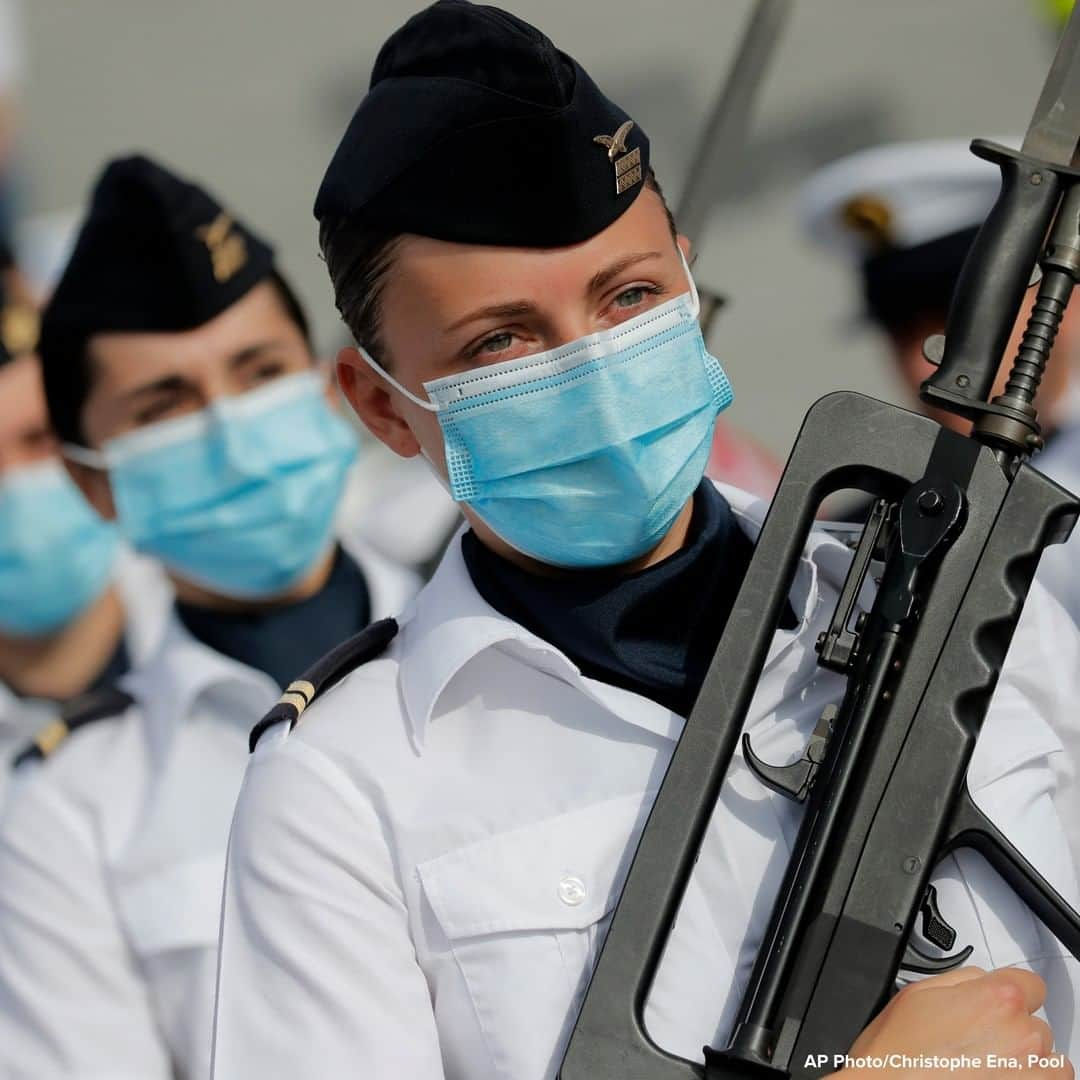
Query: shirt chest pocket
x=524, y=914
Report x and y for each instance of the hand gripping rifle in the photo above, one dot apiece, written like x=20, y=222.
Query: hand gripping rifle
x=960, y=523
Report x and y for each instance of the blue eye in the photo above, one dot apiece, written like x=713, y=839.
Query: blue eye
x=636, y=295
x=631, y=297
x=495, y=343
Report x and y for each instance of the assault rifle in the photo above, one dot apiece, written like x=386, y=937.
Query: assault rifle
x=960, y=523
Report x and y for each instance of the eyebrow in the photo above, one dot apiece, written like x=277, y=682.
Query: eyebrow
x=512, y=309
x=170, y=384
x=253, y=352
x=517, y=308
x=174, y=384
x=603, y=277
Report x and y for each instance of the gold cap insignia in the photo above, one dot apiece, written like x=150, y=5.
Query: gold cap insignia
x=871, y=218
x=19, y=327
x=228, y=252
x=627, y=167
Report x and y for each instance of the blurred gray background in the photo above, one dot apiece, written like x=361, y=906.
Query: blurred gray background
x=251, y=96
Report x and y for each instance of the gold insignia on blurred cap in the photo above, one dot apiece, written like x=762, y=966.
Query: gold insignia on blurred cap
x=871, y=218
x=19, y=326
x=228, y=252
x=628, y=166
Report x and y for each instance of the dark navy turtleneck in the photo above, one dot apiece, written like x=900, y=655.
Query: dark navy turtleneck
x=653, y=632
x=284, y=641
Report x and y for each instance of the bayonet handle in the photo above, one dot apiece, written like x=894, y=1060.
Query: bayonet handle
x=991, y=285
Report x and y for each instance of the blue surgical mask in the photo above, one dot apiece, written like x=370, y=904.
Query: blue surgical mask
x=56, y=553
x=584, y=455
x=239, y=497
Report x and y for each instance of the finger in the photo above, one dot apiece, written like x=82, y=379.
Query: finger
x=950, y=978
x=1006, y=981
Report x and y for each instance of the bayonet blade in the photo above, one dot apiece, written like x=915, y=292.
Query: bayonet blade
x=1054, y=133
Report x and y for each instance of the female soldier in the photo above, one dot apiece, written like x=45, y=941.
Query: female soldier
x=421, y=873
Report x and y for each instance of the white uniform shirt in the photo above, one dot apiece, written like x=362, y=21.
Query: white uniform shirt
x=146, y=597
x=111, y=860
x=421, y=873
x=1059, y=569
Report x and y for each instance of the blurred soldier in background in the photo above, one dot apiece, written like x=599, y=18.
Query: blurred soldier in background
x=180, y=379
x=905, y=215
x=76, y=608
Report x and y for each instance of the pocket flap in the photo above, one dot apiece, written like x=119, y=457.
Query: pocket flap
x=561, y=873
x=174, y=908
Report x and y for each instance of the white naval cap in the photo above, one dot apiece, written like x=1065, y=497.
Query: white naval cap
x=899, y=196
x=905, y=215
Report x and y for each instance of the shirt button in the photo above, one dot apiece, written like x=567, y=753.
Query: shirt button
x=571, y=891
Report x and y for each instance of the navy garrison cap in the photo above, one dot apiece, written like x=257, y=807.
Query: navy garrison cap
x=477, y=129
x=155, y=254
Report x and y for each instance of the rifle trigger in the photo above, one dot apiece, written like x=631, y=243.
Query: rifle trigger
x=938, y=932
x=934, y=927
x=795, y=780
x=917, y=961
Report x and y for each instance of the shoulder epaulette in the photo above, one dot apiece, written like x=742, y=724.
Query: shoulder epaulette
x=327, y=672
x=77, y=713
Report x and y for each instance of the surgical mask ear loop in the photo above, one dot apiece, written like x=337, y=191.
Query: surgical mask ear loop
x=695, y=300
x=82, y=455
x=380, y=370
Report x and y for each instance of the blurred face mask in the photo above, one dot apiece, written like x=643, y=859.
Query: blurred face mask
x=56, y=553
x=584, y=455
x=239, y=497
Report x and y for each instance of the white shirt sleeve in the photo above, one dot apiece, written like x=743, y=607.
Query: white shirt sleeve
x=317, y=971
x=1042, y=676
x=72, y=1003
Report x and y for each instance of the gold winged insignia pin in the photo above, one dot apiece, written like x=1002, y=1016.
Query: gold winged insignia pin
x=627, y=167
x=228, y=252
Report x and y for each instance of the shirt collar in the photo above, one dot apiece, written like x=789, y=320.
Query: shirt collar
x=182, y=670
x=449, y=623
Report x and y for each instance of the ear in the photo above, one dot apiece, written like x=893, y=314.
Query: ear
x=94, y=484
x=684, y=246
x=371, y=400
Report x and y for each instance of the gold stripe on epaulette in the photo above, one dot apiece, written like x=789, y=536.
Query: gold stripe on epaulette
x=51, y=737
x=301, y=686
x=298, y=695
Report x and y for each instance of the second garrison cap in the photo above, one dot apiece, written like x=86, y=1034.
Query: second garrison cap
x=476, y=129
x=157, y=254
